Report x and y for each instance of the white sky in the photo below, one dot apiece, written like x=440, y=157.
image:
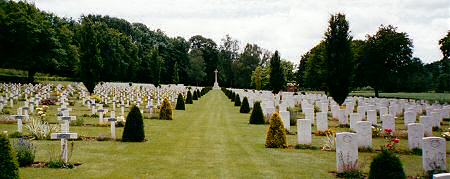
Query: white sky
x=290, y=26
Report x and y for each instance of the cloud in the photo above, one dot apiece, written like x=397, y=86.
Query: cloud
x=290, y=26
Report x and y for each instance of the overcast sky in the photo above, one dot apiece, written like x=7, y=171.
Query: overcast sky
x=290, y=26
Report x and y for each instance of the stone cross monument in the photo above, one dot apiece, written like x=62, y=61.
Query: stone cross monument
x=216, y=85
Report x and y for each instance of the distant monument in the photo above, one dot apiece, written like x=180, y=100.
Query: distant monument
x=216, y=85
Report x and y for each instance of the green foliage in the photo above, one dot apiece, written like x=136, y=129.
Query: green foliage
x=257, y=116
x=189, y=98
x=233, y=96
x=25, y=152
x=166, y=110
x=339, y=58
x=237, y=100
x=195, y=96
x=277, y=80
x=180, y=103
x=59, y=164
x=8, y=163
x=386, y=165
x=245, y=107
x=276, y=134
x=40, y=129
x=134, y=126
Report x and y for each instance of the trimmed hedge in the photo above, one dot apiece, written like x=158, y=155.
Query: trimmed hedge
x=257, y=116
x=9, y=168
x=386, y=165
x=134, y=126
x=237, y=100
x=245, y=107
x=189, y=98
x=180, y=103
x=166, y=110
x=276, y=134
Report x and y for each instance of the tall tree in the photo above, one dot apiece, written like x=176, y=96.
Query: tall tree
x=385, y=54
x=277, y=80
x=197, y=70
x=209, y=53
x=228, y=54
x=339, y=58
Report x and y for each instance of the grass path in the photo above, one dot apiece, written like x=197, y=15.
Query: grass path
x=211, y=139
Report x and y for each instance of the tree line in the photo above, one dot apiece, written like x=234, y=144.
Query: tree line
x=97, y=48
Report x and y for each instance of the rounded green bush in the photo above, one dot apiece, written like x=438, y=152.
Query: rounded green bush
x=386, y=165
x=25, y=152
x=180, y=103
x=134, y=126
x=166, y=110
x=195, y=95
x=276, y=134
x=233, y=96
x=257, y=116
x=189, y=98
x=237, y=100
x=245, y=108
x=8, y=164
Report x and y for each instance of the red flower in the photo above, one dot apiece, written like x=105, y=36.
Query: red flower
x=389, y=146
x=396, y=140
x=388, y=131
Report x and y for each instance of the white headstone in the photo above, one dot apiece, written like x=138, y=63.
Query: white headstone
x=415, y=135
x=388, y=122
x=304, y=131
x=372, y=116
x=346, y=151
x=285, y=117
x=409, y=117
x=322, y=121
x=434, y=154
x=364, y=132
x=427, y=122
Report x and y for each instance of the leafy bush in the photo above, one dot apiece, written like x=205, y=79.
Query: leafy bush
x=237, y=100
x=195, y=95
x=245, y=108
x=134, y=126
x=189, y=98
x=15, y=134
x=386, y=165
x=78, y=122
x=276, y=135
x=40, y=129
x=257, y=116
x=199, y=94
x=166, y=110
x=180, y=103
x=48, y=102
x=25, y=152
x=8, y=164
x=233, y=96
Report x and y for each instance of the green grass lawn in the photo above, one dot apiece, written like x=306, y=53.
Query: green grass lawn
x=440, y=97
x=211, y=139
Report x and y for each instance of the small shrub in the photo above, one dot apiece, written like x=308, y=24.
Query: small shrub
x=180, y=103
x=48, y=102
x=25, y=152
x=59, y=164
x=245, y=108
x=329, y=143
x=257, y=116
x=134, y=126
x=195, y=96
x=15, y=134
x=120, y=124
x=386, y=165
x=276, y=134
x=237, y=100
x=8, y=164
x=166, y=110
x=40, y=129
x=5, y=111
x=233, y=96
x=189, y=98
x=78, y=122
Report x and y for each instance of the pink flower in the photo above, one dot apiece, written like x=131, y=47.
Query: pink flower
x=396, y=140
x=389, y=146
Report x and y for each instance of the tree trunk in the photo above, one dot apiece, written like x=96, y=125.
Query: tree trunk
x=376, y=92
x=30, y=77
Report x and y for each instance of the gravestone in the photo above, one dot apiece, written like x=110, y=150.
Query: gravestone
x=372, y=116
x=64, y=143
x=322, y=121
x=409, y=117
x=434, y=154
x=346, y=151
x=285, y=117
x=113, y=120
x=19, y=119
x=309, y=114
x=427, y=122
x=304, y=131
x=354, y=118
x=415, y=135
x=364, y=132
x=436, y=117
x=100, y=115
x=441, y=176
x=388, y=122
x=342, y=116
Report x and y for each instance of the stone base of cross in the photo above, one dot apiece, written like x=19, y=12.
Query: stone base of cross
x=64, y=143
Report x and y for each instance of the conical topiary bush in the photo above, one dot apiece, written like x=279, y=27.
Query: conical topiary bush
x=9, y=168
x=180, y=103
x=134, y=126
x=245, y=108
x=257, y=116
x=189, y=98
x=199, y=94
x=276, y=134
x=233, y=96
x=237, y=100
x=386, y=165
x=166, y=110
x=195, y=95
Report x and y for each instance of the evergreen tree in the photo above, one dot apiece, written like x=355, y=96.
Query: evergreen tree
x=277, y=80
x=166, y=110
x=276, y=134
x=257, y=116
x=189, y=98
x=134, y=126
x=245, y=108
x=339, y=58
x=386, y=165
x=9, y=168
x=180, y=103
x=237, y=100
x=195, y=96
